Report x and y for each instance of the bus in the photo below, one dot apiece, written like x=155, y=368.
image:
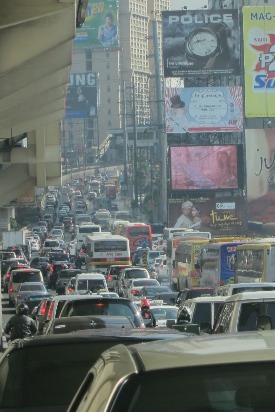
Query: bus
x=255, y=261
x=118, y=225
x=110, y=190
x=217, y=263
x=84, y=229
x=172, y=244
x=169, y=232
x=139, y=235
x=104, y=250
x=187, y=263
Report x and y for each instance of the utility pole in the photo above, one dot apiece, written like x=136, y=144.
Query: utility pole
x=135, y=178
x=161, y=135
x=125, y=138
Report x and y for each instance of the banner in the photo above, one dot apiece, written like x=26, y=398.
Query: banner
x=100, y=27
x=260, y=164
x=259, y=60
x=203, y=109
x=81, y=99
x=197, y=42
x=222, y=216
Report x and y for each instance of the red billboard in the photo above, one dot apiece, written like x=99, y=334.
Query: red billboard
x=221, y=216
x=204, y=167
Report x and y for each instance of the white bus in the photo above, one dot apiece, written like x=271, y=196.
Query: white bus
x=84, y=229
x=104, y=250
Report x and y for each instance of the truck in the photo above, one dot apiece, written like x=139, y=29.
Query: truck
x=13, y=238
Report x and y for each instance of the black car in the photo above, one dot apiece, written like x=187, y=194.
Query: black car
x=64, y=277
x=44, y=372
x=42, y=263
x=33, y=302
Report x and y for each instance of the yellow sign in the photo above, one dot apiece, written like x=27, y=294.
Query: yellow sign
x=259, y=60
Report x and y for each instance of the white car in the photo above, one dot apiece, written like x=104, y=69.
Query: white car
x=35, y=247
x=162, y=313
x=135, y=285
x=57, y=234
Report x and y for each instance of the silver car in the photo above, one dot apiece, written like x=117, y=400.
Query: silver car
x=28, y=289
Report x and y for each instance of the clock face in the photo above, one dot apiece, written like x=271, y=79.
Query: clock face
x=203, y=43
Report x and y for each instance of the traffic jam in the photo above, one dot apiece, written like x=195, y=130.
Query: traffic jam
x=87, y=288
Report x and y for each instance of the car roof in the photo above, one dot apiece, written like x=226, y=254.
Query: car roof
x=257, y=295
x=206, y=299
x=205, y=350
x=251, y=285
x=104, y=334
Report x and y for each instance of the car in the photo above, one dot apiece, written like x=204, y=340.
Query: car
x=112, y=275
x=83, y=305
x=169, y=298
x=246, y=311
x=128, y=273
x=149, y=292
x=232, y=289
x=63, y=278
x=162, y=313
x=91, y=195
x=44, y=372
x=33, y=302
x=42, y=263
x=72, y=324
x=28, y=289
x=206, y=373
x=204, y=310
x=190, y=293
x=135, y=286
x=16, y=264
x=19, y=276
x=57, y=233
x=84, y=283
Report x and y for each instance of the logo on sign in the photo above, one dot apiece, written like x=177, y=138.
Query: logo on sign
x=226, y=206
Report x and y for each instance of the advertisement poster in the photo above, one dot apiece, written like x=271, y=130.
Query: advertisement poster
x=223, y=216
x=203, y=109
x=197, y=42
x=100, y=27
x=260, y=165
x=81, y=99
x=259, y=60
x=203, y=167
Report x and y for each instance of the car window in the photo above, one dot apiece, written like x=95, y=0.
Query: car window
x=202, y=313
x=20, y=277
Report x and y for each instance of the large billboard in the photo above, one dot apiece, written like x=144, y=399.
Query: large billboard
x=203, y=109
x=259, y=60
x=81, y=99
x=100, y=27
x=204, y=167
x=222, y=216
x=197, y=42
x=260, y=164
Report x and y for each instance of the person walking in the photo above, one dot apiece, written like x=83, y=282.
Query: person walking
x=20, y=325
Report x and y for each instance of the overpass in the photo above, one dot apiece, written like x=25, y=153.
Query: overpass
x=36, y=55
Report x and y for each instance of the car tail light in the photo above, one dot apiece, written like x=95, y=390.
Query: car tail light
x=43, y=308
x=110, y=277
x=7, y=275
x=134, y=292
x=70, y=290
x=50, y=312
x=10, y=289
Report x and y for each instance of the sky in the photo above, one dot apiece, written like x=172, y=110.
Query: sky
x=191, y=4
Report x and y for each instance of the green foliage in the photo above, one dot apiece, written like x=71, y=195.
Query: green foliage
x=13, y=223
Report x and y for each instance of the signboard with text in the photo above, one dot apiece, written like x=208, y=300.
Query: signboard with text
x=197, y=42
x=100, y=28
x=203, y=109
x=220, y=216
x=81, y=99
x=259, y=60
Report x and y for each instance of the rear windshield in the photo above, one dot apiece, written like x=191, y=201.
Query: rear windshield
x=20, y=277
x=51, y=243
x=90, y=284
x=137, y=274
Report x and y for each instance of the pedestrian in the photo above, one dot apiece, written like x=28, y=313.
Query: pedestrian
x=20, y=325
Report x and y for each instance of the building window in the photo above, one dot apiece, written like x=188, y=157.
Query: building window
x=108, y=89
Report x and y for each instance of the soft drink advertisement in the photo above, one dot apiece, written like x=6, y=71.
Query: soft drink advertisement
x=260, y=163
x=259, y=60
x=221, y=216
x=203, y=109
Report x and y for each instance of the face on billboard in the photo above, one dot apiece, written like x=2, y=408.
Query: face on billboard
x=204, y=167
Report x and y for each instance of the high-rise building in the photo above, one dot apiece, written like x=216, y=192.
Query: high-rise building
x=132, y=62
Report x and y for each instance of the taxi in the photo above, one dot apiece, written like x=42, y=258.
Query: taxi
x=162, y=312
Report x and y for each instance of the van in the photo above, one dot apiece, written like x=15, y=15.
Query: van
x=19, y=276
x=86, y=283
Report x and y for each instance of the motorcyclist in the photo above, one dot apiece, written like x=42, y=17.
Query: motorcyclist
x=184, y=315
x=20, y=325
x=146, y=313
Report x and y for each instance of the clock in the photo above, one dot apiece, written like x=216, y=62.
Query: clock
x=205, y=42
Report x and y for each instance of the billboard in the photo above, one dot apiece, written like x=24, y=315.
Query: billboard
x=204, y=167
x=259, y=60
x=100, y=27
x=203, y=109
x=260, y=164
x=81, y=99
x=197, y=42
x=222, y=216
